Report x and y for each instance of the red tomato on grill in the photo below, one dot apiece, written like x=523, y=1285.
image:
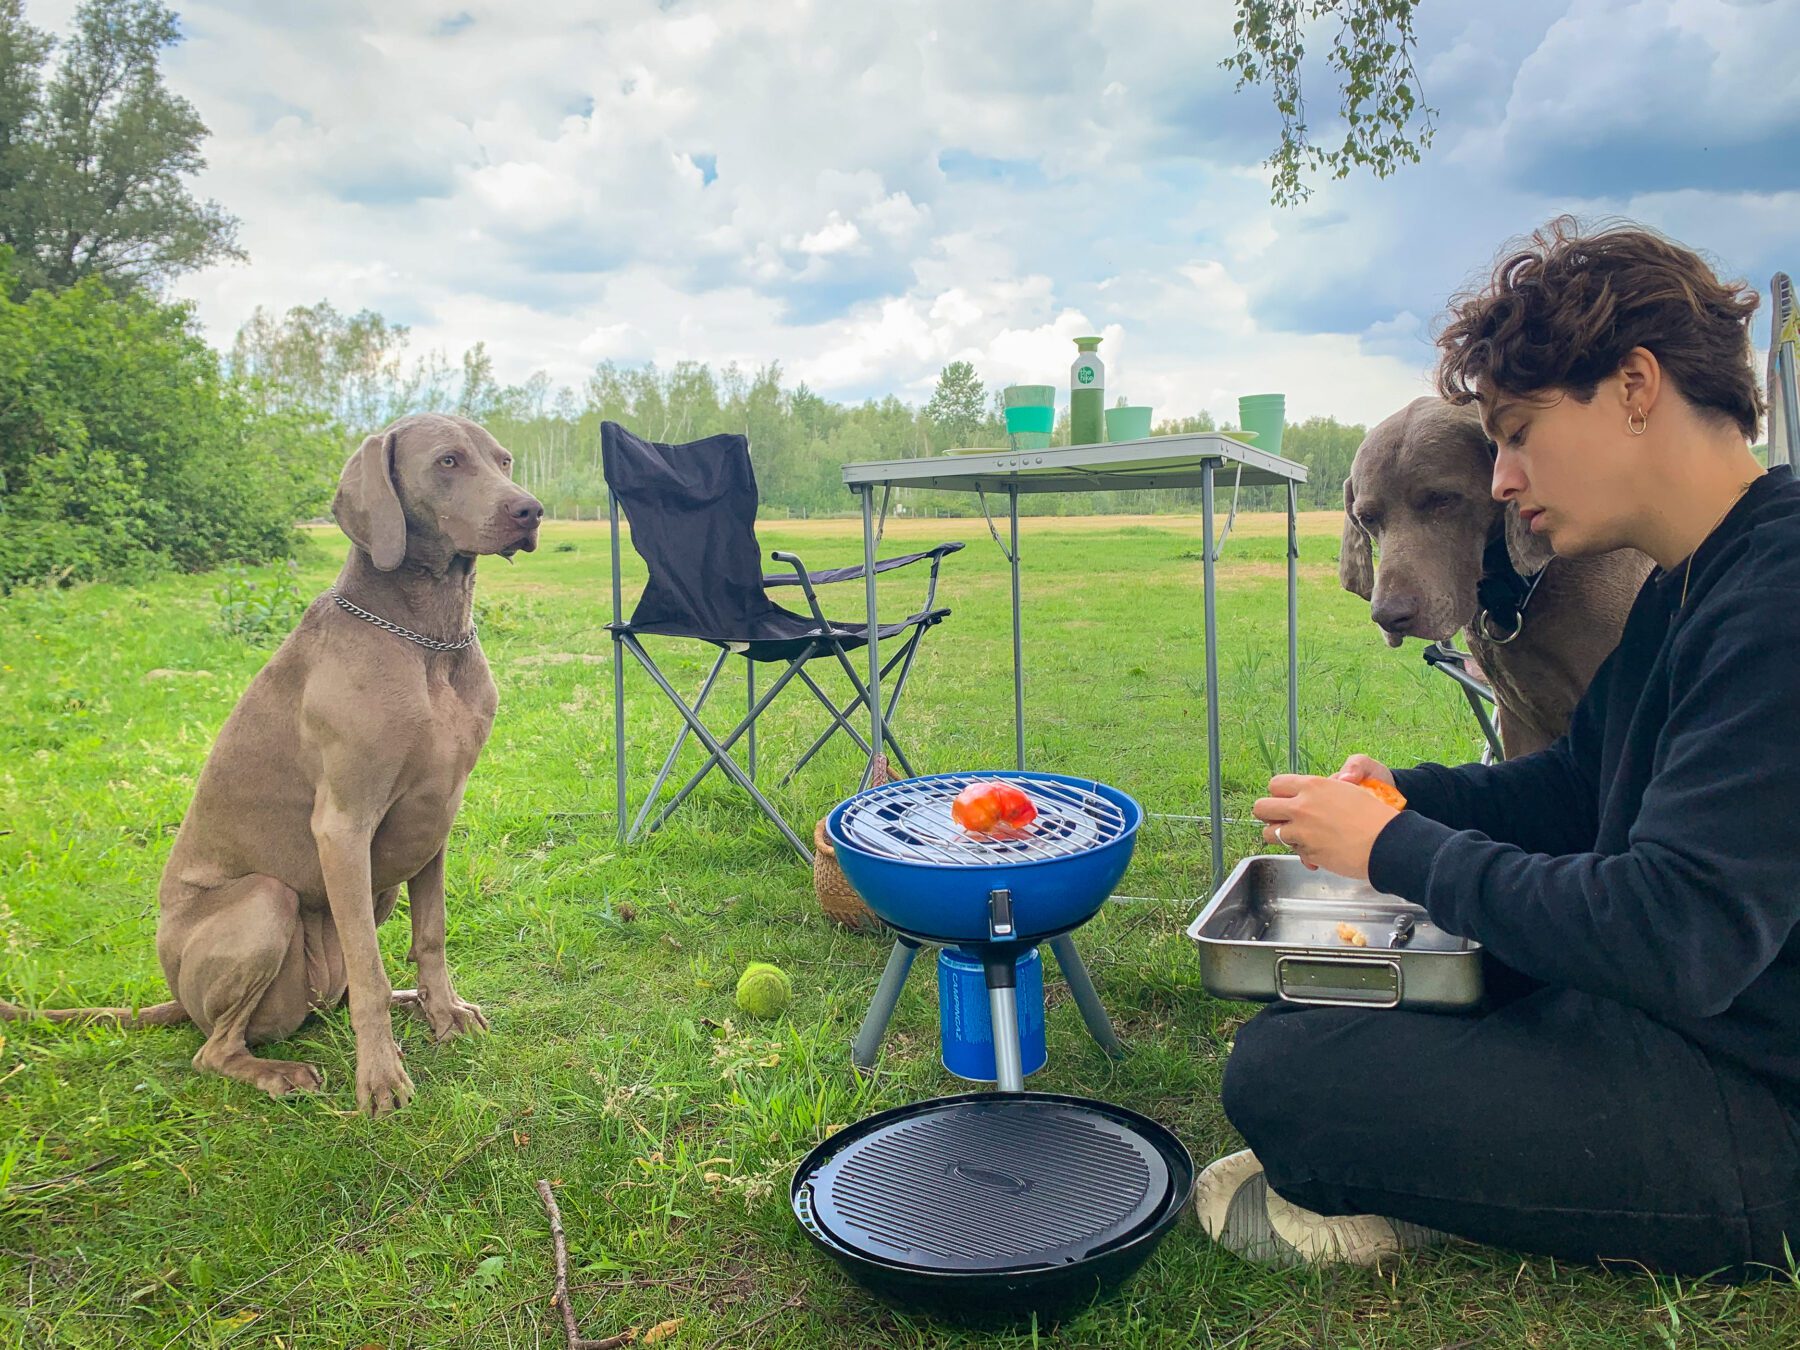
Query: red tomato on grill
x=993, y=808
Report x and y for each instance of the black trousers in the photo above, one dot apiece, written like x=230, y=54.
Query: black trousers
x=1555, y=1123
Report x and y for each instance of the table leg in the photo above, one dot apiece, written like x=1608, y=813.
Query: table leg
x=1293, y=690
x=868, y=514
x=1018, y=646
x=1215, y=790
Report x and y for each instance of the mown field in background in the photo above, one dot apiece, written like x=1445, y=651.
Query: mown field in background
x=146, y=1205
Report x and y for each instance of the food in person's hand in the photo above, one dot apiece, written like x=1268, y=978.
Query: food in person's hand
x=1352, y=936
x=1386, y=791
x=999, y=810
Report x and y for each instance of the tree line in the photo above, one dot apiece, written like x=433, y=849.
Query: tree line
x=354, y=370
x=128, y=444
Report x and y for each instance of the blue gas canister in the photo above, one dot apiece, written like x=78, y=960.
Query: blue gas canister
x=967, y=1028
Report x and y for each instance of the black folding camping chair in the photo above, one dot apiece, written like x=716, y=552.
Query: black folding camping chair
x=1441, y=656
x=692, y=512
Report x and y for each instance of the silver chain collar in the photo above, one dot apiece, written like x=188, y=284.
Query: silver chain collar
x=385, y=625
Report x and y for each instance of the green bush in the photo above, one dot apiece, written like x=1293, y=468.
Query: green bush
x=124, y=449
x=260, y=612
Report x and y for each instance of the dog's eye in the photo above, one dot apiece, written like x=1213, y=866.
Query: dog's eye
x=448, y=461
x=1437, y=501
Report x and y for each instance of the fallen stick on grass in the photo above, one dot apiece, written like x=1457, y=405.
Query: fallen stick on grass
x=27, y=1187
x=561, y=1297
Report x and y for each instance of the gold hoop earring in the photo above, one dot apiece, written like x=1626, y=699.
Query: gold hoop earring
x=1638, y=422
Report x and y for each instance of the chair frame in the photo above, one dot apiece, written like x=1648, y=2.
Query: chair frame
x=829, y=640
x=1442, y=657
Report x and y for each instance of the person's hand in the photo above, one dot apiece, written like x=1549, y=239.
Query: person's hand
x=1329, y=822
x=1359, y=767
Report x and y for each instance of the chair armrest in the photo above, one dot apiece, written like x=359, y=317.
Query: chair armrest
x=1455, y=664
x=806, y=580
x=834, y=574
x=801, y=578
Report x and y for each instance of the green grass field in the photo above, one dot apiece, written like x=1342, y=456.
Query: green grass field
x=142, y=1204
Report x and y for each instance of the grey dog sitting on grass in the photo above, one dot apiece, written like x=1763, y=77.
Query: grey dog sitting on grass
x=337, y=777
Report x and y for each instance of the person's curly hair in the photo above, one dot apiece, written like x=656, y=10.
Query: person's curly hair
x=1563, y=310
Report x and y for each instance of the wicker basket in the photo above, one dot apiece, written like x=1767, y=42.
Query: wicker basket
x=837, y=897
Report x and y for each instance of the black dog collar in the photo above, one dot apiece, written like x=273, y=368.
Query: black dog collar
x=1502, y=592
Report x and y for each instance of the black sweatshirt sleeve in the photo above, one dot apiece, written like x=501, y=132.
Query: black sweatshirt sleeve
x=1544, y=803
x=1702, y=900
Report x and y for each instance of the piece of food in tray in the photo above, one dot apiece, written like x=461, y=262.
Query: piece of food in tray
x=1352, y=936
x=1386, y=791
x=998, y=810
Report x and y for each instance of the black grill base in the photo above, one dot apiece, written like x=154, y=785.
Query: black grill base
x=994, y=1204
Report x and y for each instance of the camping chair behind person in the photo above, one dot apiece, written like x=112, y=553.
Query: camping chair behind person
x=1784, y=379
x=692, y=512
x=1441, y=656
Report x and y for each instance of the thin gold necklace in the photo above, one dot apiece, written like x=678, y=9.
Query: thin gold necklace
x=1687, y=575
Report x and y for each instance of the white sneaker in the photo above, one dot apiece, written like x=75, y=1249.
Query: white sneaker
x=1238, y=1211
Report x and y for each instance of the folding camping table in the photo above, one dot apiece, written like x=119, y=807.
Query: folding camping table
x=1199, y=460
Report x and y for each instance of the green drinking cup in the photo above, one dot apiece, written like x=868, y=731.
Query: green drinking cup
x=1128, y=423
x=1265, y=414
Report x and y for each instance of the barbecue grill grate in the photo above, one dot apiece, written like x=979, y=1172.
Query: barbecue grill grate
x=909, y=821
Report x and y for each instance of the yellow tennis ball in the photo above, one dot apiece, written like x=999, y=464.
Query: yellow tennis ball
x=764, y=990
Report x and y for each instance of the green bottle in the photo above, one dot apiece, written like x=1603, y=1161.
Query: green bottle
x=1087, y=394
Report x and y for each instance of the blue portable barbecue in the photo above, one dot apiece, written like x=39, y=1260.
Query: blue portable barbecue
x=994, y=899
x=991, y=1202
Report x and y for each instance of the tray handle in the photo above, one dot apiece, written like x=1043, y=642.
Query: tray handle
x=1337, y=1000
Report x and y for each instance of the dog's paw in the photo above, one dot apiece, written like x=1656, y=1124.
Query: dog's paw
x=382, y=1084
x=456, y=1017
x=447, y=1014
x=279, y=1077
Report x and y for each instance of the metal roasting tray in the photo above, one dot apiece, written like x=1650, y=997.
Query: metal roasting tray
x=1270, y=932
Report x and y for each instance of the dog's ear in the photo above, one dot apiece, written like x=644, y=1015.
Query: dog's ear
x=1356, y=560
x=367, y=507
x=1528, y=552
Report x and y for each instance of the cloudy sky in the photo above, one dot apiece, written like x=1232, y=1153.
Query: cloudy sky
x=866, y=191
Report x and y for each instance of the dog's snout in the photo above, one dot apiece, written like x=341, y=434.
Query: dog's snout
x=517, y=520
x=1394, y=612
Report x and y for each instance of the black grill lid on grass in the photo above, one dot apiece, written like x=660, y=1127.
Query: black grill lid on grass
x=994, y=1203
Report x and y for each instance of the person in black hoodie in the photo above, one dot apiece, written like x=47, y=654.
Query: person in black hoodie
x=1630, y=1092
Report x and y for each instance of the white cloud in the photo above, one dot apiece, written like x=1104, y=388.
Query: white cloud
x=865, y=192
x=1610, y=65
x=836, y=235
